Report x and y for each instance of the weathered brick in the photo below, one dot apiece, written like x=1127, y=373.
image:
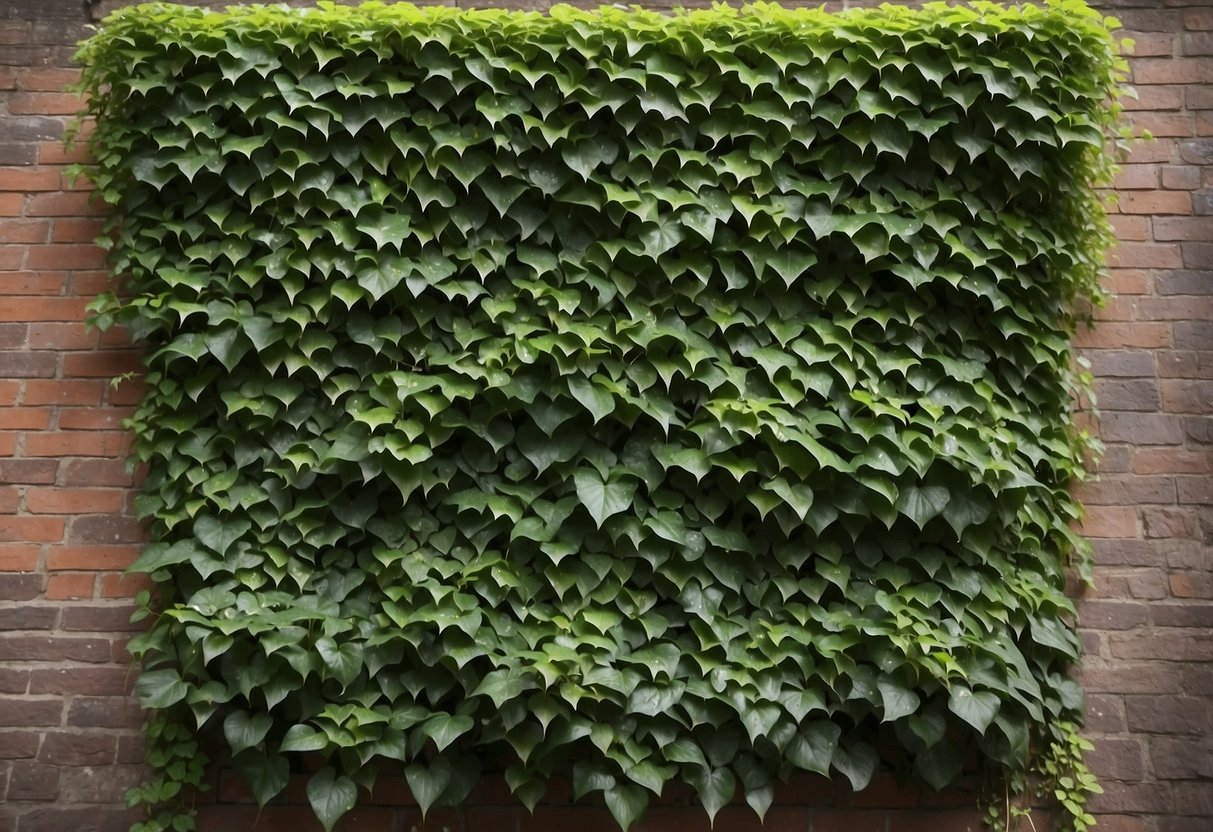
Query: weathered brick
x=26, y=617
x=85, y=819
x=1175, y=758
x=33, y=781
x=103, y=712
x=1112, y=615
x=97, y=785
x=81, y=681
x=1122, y=363
x=64, y=749
x=1163, y=644
x=21, y=712
x=1135, y=394
x=53, y=649
x=1141, y=428
x=1117, y=759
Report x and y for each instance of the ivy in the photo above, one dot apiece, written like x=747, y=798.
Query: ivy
x=648, y=397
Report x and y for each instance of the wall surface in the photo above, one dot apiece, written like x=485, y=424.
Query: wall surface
x=69, y=743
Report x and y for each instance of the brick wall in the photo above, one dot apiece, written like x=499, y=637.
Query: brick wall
x=68, y=729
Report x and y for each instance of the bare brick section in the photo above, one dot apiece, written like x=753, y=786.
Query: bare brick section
x=69, y=744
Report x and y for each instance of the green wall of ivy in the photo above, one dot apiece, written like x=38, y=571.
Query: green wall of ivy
x=639, y=396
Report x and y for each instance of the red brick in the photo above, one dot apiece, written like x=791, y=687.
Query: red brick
x=11, y=205
x=1171, y=71
x=65, y=392
x=35, y=283
x=61, y=500
x=1129, y=227
x=86, y=256
x=68, y=336
x=1134, y=177
x=19, y=557
x=124, y=586
x=24, y=231
x=1128, y=282
x=54, y=153
x=25, y=418
x=109, y=364
x=71, y=230
x=77, y=443
x=44, y=103
x=26, y=179
x=8, y=392
x=67, y=204
x=64, y=587
x=27, y=529
x=1110, y=521
x=91, y=557
x=1131, y=202
x=111, y=418
x=46, y=79
x=43, y=309
x=1112, y=335
x=1152, y=460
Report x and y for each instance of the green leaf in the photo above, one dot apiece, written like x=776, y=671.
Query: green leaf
x=626, y=803
x=160, y=688
x=898, y=700
x=244, y=730
x=922, y=504
x=602, y=498
x=265, y=775
x=428, y=782
x=715, y=788
x=858, y=762
x=814, y=746
x=303, y=738
x=976, y=708
x=331, y=796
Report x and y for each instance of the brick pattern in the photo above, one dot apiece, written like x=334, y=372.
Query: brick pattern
x=68, y=740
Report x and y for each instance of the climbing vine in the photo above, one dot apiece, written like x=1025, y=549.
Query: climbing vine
x=648, y=397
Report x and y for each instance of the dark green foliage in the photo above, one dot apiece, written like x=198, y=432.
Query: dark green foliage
x=659, y=397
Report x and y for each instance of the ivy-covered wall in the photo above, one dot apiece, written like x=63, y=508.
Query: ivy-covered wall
x=67, y=537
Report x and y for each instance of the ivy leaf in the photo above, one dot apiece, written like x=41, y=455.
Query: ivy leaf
x=331, y=796
x=976, y=708
x=303, y=738
x=858, y=763
x=219, y=535
x=428, y=782
x=922, y=504
x=265, y=775
x=715, y=788
x=244, y=730
x=602, y=498
x=814, y=746
x=898, y=700
x=626, y=802
x=444, y=729
x=593, y=398
x=160, y=688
